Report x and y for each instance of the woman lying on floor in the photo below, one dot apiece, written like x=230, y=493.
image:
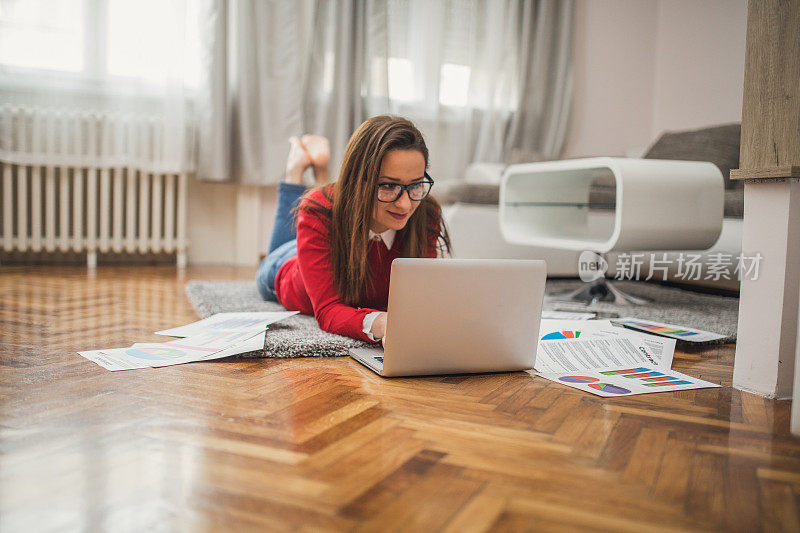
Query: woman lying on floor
x=335, y=261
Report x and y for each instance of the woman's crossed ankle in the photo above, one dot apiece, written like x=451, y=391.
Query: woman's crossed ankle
x=309, y=150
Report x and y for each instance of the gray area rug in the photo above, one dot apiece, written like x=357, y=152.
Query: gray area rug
x=299, y=336
x=709, y=312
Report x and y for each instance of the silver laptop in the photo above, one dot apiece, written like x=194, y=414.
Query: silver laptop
x=459, y=316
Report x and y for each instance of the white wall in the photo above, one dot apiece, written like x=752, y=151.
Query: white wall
x=642, y=67
x=225, y=223
x=699, y=61
x=614, y=72
x=211, y=224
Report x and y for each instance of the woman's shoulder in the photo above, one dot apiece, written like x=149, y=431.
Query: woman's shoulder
x=315, y=207
x=315, y=199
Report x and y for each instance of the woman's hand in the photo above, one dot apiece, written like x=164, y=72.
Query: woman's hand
x=378, y=329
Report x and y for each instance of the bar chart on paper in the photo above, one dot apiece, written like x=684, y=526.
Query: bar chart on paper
x=613, y=382
x=668, y=330
x=647, y=377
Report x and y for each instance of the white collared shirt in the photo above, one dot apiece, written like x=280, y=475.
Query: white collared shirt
x=388, y=239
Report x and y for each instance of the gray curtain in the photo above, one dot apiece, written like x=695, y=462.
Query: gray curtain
x=545, y=81
x=251, y=99
x=348, y=38
x=481, y=79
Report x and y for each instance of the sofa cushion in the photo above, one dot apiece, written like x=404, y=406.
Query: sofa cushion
x=603, y=195
x=718, y=144
x=451, y=192
x=734, y=203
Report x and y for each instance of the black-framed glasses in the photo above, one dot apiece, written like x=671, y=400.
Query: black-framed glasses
x=417, y=191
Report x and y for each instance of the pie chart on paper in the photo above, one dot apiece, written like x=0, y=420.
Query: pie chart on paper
x=578, y=379
x=567, y=334
x=611, y=389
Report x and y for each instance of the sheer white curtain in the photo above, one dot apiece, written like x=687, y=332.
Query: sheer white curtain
x=479, y=78
x=251, y=100
x=132, y=67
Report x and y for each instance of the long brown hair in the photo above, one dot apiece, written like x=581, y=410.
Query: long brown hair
x=353, y=198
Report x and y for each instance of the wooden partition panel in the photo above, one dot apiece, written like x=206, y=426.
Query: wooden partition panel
x=770, y=146
x=770, y=164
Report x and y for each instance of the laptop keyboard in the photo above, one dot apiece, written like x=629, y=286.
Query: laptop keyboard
x=379, y=358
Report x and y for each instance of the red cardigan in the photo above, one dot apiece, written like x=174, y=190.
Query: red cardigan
x=305, y=282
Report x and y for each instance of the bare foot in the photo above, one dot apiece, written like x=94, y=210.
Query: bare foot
x=297, y=162
x=319, y=150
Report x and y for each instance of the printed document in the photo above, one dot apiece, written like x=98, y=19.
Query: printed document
x=577, y=355
x=681, y=333
x=202, y=347
x=627, y=380
x=217, y=336
x=229, y=322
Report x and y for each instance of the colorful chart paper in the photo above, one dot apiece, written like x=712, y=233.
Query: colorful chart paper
x=575, y=355
x=154, y=353
x=572, y=345
x=626, y=381
x=610, y=389
x=217, y=336
x=560, y=329
x=566, y=334
x=243, y=321
x=650, y=378
x=668, y=330
x=578, y=379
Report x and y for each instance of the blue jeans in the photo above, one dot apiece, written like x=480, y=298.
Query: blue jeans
x=283, y=244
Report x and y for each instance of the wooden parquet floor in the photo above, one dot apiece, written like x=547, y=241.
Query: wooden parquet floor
x=324, y=444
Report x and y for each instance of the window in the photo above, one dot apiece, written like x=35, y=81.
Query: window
x=454, y=85
x=135, y=53
x=429, y=56
x=148, y=41
x=43, y=34
x=401, y=79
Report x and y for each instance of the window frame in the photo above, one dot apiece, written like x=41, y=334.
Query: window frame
x=94, y=80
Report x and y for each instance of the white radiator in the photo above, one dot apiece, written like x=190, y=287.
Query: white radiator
x=101, y=191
